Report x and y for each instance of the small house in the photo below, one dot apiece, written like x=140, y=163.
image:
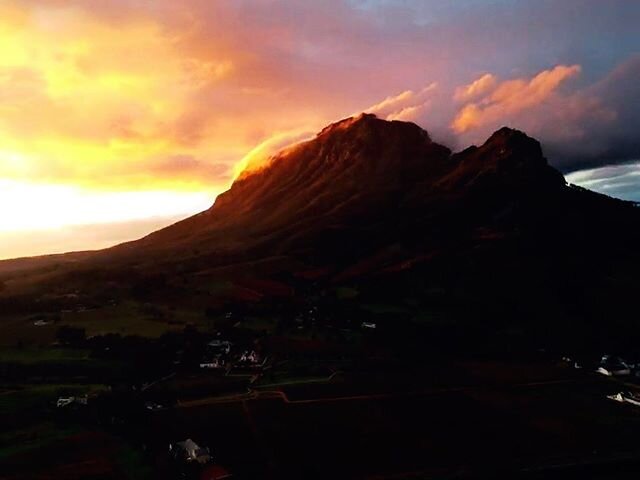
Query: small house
x=212, y=363
x=63, y=402
x=189, y=451
x=614, y=370
x=626, y=397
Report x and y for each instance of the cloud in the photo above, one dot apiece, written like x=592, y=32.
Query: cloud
x=579, y=125
x=263, y=154
x=77, y=237
x=476, y=88
x=406, y=106
x=621, y=181
x=510, y=97
x=610, y=128
x=409, y=114
x=91, y=89
x=592, y=176
x=187, y=166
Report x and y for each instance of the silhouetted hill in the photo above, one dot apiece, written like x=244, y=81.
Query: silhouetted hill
x=361, y=178
x=492, y=233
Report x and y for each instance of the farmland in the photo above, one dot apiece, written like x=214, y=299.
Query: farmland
x=302, y=432
x=323, y=401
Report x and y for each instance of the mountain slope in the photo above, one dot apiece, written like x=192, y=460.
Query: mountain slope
x=377, y=204
x=360, y=176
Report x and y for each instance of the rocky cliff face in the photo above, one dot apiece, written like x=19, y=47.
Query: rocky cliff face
x=360, y=176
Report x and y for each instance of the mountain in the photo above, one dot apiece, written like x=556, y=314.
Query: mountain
x=362, y=178
x=493, y=234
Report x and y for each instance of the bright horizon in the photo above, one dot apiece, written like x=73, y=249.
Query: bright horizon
x=119, y=118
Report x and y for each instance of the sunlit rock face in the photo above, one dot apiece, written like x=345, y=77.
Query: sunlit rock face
x=359, y=175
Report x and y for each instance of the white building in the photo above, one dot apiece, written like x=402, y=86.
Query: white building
x=614, y=371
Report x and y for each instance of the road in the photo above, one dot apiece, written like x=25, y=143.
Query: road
x=258, y=393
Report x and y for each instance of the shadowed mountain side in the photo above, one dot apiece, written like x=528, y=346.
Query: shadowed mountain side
x=352, y=171
x=379, y=204
x=363, y=180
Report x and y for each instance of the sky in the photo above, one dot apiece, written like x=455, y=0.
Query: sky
x=119, y=117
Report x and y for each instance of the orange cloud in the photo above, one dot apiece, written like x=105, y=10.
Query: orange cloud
x=86, y=100
x=263, y=154
x=476, y=88
x=409, y=114
x=406, y=106
x=509, y=97
x=81, y=98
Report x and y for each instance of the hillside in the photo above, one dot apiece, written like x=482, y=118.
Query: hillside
x=378, y=206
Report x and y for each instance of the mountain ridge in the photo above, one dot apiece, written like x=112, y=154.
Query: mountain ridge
x=378, y=204
x=361, y=155
x=360, y=167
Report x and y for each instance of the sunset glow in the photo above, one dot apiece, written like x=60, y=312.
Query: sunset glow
x=41, y=206
x=118, y=111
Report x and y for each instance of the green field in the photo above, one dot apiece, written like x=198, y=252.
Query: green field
x=33, y=437
x=126, y=318
x=33, y=356
x=18, y=399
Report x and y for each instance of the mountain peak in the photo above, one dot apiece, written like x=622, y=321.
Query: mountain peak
x=363, y=170
x=509, y=157
x=363, y=156
x=366, y=124
x=349, y=122
x=363, y=149
x=512, y=139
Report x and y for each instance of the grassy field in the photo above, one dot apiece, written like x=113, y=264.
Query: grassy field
x=25, y=399
x=36, y=443
x=26, y=412
x=525, y=417
x=129, y=318
x=347, y=292
x=54, y=365
x=31, y=356
x=126, y=318
x=258, y=324
x=20, y=330
x=33, y=437
x=74, y=455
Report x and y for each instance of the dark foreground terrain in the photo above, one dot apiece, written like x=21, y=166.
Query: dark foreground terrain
x=310, y=409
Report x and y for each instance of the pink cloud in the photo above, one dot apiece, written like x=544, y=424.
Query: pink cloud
x=509, y=97
x=476, y=88
x=579, y=126
x=406, y=106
